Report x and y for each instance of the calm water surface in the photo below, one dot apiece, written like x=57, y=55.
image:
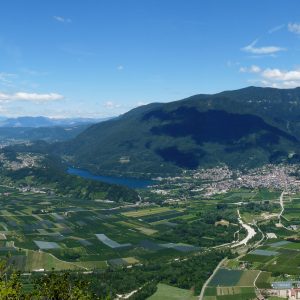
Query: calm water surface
x=129, y=182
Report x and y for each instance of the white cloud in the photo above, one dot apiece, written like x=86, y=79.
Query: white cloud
x=280, y=85
x=252, y=69
x=276, y=28
x=62, y=19
x=261, y=50
x=280, y=75
x=294, y=27
x=274, y=77
x=111, y=105
x=31, y=97
x=255, y=69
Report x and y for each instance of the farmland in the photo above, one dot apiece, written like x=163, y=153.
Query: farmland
x=230, y=293
x=237, y=278
x=284, y=261
x=231, y=284
x=44, y=231
x=167, y=292
x=275, y=256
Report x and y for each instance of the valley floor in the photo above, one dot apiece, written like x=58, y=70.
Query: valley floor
x=173, y=222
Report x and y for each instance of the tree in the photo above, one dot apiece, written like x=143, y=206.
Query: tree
x=10, y=285
x=52, y=286
x=60, y=286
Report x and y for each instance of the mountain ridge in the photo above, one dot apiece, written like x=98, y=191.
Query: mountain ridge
x=241, y=128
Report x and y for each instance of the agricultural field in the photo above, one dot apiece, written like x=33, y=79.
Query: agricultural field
x=230, y=293
x=231, y=284
x=43, y=231
x=237, y=278
x=291, y=210
x=247, y=195
x=280, y=257
x=146, y=212
x=167, y=292
x=264, y=280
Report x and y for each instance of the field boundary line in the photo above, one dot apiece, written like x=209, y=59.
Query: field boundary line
x=254, y=282
x=210, y=278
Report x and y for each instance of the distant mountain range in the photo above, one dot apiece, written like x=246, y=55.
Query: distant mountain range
x=49, y=134
x=46, y=122
x=43, y=128
x=242, y=128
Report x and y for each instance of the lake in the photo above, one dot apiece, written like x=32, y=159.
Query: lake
x=125, y=181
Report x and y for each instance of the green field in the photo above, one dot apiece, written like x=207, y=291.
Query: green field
x=230, y=293
x=263, y=280
x=237, y=278
x=145, y=212
x=226, y=277
x=40, y=260
x=44, y=231
x=231, y=284
x=68, y=226
x=167, y=292
x=287, y=261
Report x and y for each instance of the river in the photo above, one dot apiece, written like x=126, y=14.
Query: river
x=125, y=181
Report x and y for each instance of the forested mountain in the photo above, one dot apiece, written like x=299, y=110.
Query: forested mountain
x=242, y=128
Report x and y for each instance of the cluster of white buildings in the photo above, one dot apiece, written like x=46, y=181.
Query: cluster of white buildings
x=278, y=177
x=22, y=161
x=285, y=289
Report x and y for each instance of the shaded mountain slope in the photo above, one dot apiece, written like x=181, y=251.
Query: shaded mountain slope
x=242, y=128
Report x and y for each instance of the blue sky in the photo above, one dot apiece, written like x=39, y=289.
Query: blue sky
x=97, y=58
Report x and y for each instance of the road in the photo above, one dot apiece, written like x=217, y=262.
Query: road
x=209, y=279
x=250, y=232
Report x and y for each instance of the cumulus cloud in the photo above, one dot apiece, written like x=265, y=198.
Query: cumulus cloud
x=281, y=75
x=279, y=85
x=275, y=77
x=62, y=19
x=31, y=97
x=294, y=27
x=251, y=48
